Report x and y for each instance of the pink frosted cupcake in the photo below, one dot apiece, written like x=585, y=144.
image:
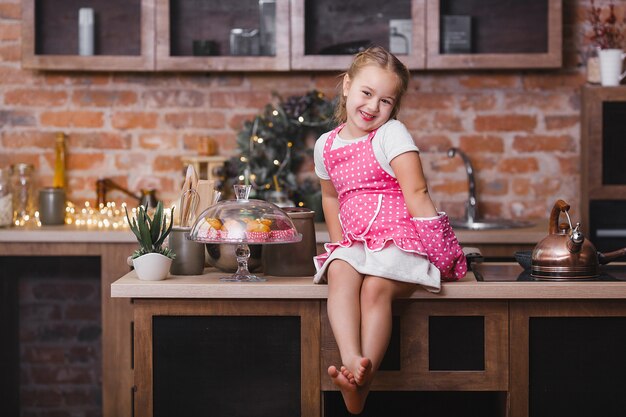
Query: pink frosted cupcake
x=257, y=236
x=280, y=235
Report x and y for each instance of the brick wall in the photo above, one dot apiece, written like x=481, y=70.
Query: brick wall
x=520, y=128
x=60, y=335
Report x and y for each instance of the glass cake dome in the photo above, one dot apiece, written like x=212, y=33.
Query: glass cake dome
x=241, y=222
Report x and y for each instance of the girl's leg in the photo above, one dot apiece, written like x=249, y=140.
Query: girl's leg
x=377, y=295
x=344, y=310
x=344, y=314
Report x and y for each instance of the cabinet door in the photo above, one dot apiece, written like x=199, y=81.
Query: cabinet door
x=217, y=35
x=438, y=346
x=567, y=358
x=123, y=35
x=326, y=33
x=468, y=34
x=254, y=358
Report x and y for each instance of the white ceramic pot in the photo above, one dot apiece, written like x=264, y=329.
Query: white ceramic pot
x=611, y=64
x=152, y=266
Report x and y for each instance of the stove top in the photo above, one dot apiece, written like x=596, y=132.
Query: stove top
x=513, y=272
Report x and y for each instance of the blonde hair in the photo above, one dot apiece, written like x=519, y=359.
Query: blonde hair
x=379, y=56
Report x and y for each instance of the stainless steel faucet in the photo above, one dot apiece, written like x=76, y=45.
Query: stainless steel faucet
x=471, y=205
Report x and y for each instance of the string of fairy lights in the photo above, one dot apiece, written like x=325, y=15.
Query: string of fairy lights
x=105, y=217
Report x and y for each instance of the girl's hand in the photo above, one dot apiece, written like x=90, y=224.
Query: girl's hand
x=441, y=246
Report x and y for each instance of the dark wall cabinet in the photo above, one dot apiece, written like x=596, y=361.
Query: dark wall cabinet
x=603, y=181
x=567, y=358
x=280, y=35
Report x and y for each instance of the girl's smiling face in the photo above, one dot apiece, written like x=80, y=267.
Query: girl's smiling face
x=370, y=100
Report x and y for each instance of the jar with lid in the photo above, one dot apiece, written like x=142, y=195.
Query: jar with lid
x=6, y=199
x=22, y=186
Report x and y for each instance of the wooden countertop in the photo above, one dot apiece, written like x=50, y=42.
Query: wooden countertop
x=68, y=233
x=208, y=286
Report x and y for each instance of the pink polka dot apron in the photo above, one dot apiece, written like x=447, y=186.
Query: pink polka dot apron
x=372, y=209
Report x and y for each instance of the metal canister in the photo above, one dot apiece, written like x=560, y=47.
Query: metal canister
x=293, y=259
x=244, y=42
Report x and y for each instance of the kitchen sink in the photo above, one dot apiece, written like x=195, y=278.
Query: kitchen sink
x=470, y=221
x=489, y=224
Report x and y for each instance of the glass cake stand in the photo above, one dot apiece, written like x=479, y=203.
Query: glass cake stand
x=242, y=222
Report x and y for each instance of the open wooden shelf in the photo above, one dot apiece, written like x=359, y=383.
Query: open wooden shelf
x=123, y=35
x=180, y=22
x=504, y=34
x=320, y=35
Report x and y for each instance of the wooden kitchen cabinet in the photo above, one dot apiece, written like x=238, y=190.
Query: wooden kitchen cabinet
x=478, y=348
x=149, y=35
x=602, y=148
x=502, y=34
x=567, y=358
x=459, y=345
x=117, y=374
x=194, y=35
x=123, y=35
x=249, y=358
x=326, y=33
x=453, y=347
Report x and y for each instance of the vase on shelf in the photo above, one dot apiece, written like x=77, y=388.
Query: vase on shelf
x=611, y=64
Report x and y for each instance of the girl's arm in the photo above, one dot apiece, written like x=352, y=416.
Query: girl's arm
x=330, y=204
x=440, y=242
x=408, y=169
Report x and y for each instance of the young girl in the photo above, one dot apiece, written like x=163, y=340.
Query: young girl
x=385, y=231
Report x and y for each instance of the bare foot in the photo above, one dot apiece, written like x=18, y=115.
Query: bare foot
x=349, y=376
x=363, y=372
x=353, y=396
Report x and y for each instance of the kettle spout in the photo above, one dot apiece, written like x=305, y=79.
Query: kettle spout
x=605, y=258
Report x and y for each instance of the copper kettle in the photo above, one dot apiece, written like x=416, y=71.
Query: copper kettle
x=565, y=254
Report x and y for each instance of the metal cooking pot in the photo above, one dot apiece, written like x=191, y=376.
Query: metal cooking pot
x=565, y=254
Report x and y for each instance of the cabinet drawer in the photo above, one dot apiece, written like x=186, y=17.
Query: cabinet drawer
x=438, y=346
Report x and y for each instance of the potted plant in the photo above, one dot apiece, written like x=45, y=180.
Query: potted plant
x=607, y=37
x=152, y=260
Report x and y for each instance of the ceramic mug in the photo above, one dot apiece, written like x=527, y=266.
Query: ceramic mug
x=611, y=62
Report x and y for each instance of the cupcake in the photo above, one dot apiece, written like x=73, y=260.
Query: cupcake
x=258, y=230
x=280, y=235
x=232, y=229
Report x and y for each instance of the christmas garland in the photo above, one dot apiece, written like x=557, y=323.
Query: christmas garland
x=276, y=147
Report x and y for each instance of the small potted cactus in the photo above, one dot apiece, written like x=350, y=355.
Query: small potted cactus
x=152, y=260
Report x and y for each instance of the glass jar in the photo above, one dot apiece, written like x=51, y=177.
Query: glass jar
x=22, y=186
x=6, y=199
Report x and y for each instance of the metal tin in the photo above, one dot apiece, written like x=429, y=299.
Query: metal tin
x=189, y=258
x=52, y=206
x=293, y=259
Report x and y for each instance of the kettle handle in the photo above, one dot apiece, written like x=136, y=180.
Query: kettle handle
x=559, y=206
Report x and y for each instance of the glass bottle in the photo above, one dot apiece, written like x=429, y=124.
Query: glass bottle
x=6, y=199
x=59, y=163
x=593, y=65
x=22, y=186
